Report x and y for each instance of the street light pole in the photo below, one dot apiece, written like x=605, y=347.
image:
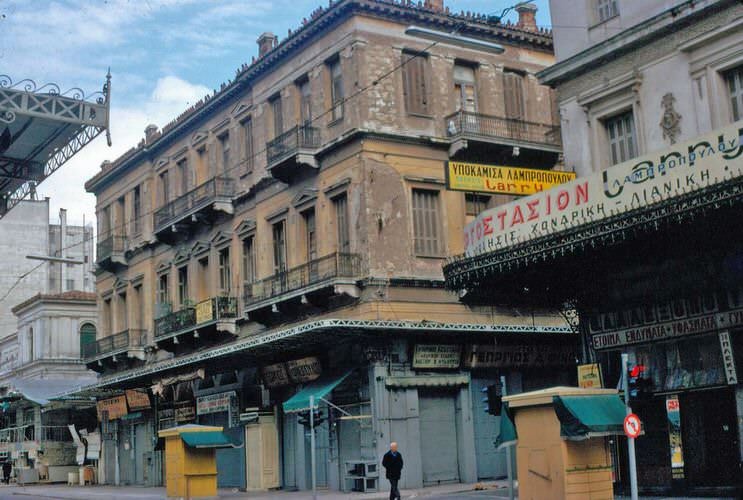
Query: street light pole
x=630, y=441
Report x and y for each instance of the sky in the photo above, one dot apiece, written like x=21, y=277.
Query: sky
x=164, y=56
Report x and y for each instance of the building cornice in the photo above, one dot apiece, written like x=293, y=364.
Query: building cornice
x=643, y=33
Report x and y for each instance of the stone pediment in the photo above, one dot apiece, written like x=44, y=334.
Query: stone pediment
x=200, y=248
x=221, y=238
x=182, y=255
x=163, y=266
x=246, y=226
x=304, y=197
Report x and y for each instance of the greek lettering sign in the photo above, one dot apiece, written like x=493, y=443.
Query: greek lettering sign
x=437, y=356
x=673, y=411
x=589, y=376
x=638, y=183
x=214, y=403
x=275, y=375
x=137, y=400
x=304, y=370
x=204, y=311
x=185, y=414
x=474, y=177
x=116, y=407
x=728, y=359
x=524, y=356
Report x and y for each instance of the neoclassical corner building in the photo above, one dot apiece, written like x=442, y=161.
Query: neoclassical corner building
x=288, y=232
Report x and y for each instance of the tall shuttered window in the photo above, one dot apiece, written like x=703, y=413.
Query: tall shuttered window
x=620, y=130
x=162, y=289
x=225, y=272
x=606, y=9
x=340, y=204
x=224, y=147
x=464, y=88
x=277, y=113
x=336, y=88
x=475, y=204
x=247, y=126
x=182, y=285
x=734, y=80
x=415, y=82
x=513, y=95
x=279, y=247
x=137, y=210
x=305, y=102
x=248, y=261
x=427, y=223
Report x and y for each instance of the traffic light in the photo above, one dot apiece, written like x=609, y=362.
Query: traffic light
x=303, y=418
x=639, y=382
x=492, y=399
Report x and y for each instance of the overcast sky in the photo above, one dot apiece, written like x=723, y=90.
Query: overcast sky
x=164, y=55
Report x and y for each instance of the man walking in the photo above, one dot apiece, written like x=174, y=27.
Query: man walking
x=392, y=462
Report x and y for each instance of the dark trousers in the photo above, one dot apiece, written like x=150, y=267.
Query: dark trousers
x=394, y=492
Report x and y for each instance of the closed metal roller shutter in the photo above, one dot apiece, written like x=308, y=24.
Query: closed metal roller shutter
x=438, y=439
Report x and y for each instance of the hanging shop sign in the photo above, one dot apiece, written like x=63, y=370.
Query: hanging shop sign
x=137, y=400
x=589, y=376
x=495, y=179
x=297, y=371
x=204, y=311
x=214, y=403
x=185, y=414
x=635, y=184
x=432, y=356
x=116, y=407
x=728, y=358
x=673, y=411
x=275, y=375
x=519, y=356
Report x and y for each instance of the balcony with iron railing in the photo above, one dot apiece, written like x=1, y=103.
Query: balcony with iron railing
x=322, y=274
x=105, y=350
x=463, y=126
x=110, y=252
x=194, y=207
x=216, y=314
x=28, y=432
x=293, y=151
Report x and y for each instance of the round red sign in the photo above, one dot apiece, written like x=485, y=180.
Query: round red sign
x=632, y=425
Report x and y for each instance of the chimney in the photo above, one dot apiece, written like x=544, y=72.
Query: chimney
x=527, y=16
x=150, y=132
x=266, y=42
x=437, y=5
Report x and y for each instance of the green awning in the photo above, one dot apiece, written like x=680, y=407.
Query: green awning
x=319, y=388
x=583, y=417
x=507, y=435
x=207, y=439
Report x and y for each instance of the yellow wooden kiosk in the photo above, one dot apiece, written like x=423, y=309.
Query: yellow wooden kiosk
x=561, y=450
x=190, y=460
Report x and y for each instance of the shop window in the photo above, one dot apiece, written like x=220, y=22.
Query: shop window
x=734, y=80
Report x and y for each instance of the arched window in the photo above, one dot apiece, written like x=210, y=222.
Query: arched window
x=87, y=339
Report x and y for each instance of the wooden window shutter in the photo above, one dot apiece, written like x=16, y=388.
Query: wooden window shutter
x=415, y=83
x=513, y=94
x=426, y=223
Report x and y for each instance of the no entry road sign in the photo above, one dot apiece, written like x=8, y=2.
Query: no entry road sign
x=632, y=426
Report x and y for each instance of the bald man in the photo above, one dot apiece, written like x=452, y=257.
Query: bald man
x=392, y=462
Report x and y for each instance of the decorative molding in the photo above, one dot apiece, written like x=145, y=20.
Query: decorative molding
x=199, y=137
x=163, y=267
x=240, y=109
x=161, y=163
x=337, y=188
x=670, y=121
x=245, y=227
x=220, y=239
x=182, y=255
x=277, y=214
x=304, y=197
x=199, y=248
x=221, y=125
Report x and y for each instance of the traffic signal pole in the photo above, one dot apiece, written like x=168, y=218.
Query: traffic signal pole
x=312, y=447
x=630, y=441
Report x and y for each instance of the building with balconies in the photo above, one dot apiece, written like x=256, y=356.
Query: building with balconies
x=292, y=227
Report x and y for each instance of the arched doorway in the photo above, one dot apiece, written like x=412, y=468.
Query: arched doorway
x=87, y=339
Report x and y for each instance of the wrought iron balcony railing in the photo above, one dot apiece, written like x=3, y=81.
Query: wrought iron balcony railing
x=291, y=141
x=19, y=434
x=199, y=197
x=335, y=265
x=113, y=244
x=113, y=343
x=469, y=124
x=206, y=311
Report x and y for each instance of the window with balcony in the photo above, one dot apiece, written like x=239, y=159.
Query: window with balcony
x=464, y=88
x=513, y=95
x=87, y=337
x=734, y=80
x=310, y=234
x=107, y=318
x=137, y=210
x=163, y=296
x=247, y=132
x=183, y=175
x=224, y=148
x=225, y=272
x=606, y=9
x=427, y=223
x=475, y=204
x=340, y=208
x=248, y=261
x=203, y=289
x=183, y=286
x=122, y=314
x=305, y=102
x=277, y=114
x=622, y=138
x=202, y=167
x=164, y=188
x=336, y=88
x=279, y=247
x=30, y=345
x=415, y=82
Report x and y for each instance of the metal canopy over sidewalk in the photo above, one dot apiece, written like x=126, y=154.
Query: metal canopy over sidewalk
x=297, y=337
x=41, y=127
x=317, y=389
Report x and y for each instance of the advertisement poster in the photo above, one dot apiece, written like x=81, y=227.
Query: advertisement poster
x=475, y=177
x=137, y=400
x=589, y=376
x=673, y=410
x=116, y=407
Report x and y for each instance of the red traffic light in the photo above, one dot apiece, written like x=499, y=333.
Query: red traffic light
x=637, y=370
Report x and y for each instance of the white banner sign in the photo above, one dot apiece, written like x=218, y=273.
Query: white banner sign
x=643, y=181
x=728, y=359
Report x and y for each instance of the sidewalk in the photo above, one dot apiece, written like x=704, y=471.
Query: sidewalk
x=61, y=491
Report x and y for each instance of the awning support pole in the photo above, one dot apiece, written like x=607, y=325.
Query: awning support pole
x=630, y=441
x=312, y=447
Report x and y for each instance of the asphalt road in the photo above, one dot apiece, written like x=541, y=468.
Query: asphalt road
x=472, y=495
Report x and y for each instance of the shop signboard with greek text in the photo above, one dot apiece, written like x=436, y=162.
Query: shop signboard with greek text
x=292, y=372
x=214, y=403
x=433, y=356
x=519, y=356
x=705, y=161
x=115, y=407
x=495, y=179
x=137, y=400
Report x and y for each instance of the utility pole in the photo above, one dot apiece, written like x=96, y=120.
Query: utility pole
x=312, y=447
x=630, y=441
